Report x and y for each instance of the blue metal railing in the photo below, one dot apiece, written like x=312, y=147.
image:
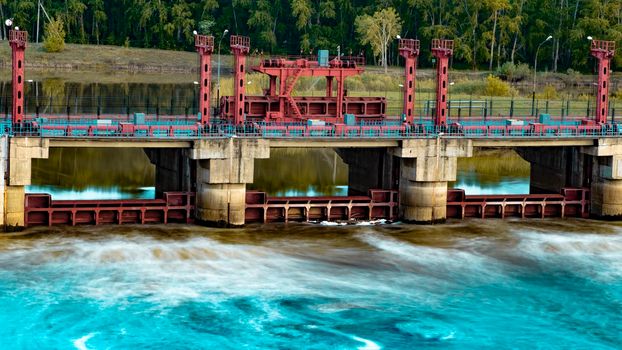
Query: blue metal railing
x=163, y=130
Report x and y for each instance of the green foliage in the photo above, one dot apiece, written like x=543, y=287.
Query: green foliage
x=487, y=33
x=54, y=40
x=497, y=87
x=378, y=30
x=548, y=93
x=513, y=72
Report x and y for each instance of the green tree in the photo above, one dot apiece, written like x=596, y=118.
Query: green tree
x=378, y=31
x=54, y=40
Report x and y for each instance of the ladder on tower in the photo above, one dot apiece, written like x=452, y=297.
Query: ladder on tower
x=290, y=82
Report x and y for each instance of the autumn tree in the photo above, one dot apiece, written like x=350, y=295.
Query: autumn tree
x=378, y=31
x=54, y=40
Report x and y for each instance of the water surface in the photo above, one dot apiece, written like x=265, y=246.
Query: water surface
x=496, y=284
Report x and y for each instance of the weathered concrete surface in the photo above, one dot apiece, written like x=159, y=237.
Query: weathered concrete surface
x=606, y=184
x=21, y=151
x=224, y=167
x=423, y=202
x=368, y=168
x=425, y=168
x=14, y=206
x=16, y=156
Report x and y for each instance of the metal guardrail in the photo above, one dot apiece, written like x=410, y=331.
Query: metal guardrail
x=493, y=129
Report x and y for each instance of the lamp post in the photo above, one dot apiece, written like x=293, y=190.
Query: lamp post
x=535, y=63
x=218, y=82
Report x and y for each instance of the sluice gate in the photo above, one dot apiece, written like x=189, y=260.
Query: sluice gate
x=174, y=207
x=379, y=204
x=572, y=202
x=178, y=207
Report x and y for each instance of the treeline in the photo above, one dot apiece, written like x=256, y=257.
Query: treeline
x=487, y=32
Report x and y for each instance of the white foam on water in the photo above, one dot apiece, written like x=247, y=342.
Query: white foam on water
x=442, y=261
x=80, y=343
x=590, y=255
x=369, y=345
x=118, y=270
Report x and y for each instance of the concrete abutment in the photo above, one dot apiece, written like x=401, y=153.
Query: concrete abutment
x=16, y=156
x=223, y=169
x=425, y=168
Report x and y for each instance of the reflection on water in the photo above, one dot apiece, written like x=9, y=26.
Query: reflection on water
x=493, y=172
x=63, y=193
x=111, y=173
x=301, y=172
x=308, y=286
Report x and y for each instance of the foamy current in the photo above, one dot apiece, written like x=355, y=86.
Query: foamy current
x=495, y=284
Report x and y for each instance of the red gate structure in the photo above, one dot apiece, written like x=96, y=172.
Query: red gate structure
x=442, y=50
x=205, y=46
x=18, y=40
x=604, y=52
x=409, y=49
x=240, y=46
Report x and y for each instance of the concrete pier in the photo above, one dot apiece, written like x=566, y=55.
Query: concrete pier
x=606, y=178
x=224, y=167
x=16, y=156
x=425, y=168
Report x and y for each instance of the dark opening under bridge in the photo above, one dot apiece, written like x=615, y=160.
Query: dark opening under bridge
x=576, y=159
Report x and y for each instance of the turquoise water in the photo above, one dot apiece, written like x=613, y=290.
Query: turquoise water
x=469, y=285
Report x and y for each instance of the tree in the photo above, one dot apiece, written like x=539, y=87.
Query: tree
x=54, y=40
x=378, y=31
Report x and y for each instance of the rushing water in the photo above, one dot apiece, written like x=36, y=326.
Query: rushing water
x=496, y=284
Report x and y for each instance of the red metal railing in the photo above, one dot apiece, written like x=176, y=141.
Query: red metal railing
x=41, y=210
x=205, y=41
x=380, y=204
x=442, y=44
x=572, y=202
x=19, y=36
x=240, y=41
x=603, y=45
x=409, y=44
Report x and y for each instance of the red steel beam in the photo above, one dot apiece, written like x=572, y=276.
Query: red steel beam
x=442, y=50
x=604, y=52
x=409, y=49
x=18, y=40
x=205, y=47
x=240, y=47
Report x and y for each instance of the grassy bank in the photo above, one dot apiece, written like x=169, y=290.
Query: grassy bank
x=102, y=64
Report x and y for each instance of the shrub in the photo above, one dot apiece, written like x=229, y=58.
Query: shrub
x=54, y=40
x=497, y=87
x=548, y=93
x=513, y=72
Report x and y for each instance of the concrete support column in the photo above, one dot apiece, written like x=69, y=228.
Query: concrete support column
x=369, y=168
x=224, y=167
x=425, y=168
x=173, y=170
x=16, y=165
x=606, y=184
x=553, y=168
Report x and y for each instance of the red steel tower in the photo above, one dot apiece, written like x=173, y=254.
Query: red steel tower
x=240, y=46
x=205, y=46
x=442, y=50
x=604, y=52
x=409, y=49
x=17, y=40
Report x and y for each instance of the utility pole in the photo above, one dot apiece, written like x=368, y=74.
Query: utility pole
x=38, y=16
